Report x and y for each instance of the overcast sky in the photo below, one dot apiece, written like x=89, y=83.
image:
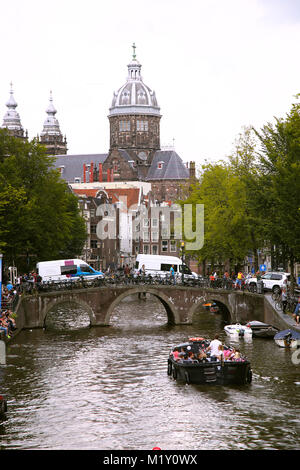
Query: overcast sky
x=215, y=66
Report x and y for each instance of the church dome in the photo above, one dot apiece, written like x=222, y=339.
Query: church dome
x=134, y=97
x=11, y=119
x=51, y=124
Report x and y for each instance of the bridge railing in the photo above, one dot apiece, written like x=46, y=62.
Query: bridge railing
x=130, y=280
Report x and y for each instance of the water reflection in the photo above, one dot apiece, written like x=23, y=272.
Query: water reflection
x=74, y=387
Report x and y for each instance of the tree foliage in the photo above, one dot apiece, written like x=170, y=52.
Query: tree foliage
x=252, y=199
x=39, y=216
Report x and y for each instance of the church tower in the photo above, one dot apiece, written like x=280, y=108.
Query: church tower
x=51, y=136
x=12, y=121
x=134, y=118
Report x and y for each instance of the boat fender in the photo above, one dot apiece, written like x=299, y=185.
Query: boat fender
x=174, y=373
x=187, y=377
x=169, y=367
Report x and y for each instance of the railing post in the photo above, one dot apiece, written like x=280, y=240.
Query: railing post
x=2, y=353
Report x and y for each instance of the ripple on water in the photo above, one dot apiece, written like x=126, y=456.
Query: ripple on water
x=108, y=388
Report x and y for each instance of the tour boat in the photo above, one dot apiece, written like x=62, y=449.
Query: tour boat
x=207, y=371
x=238, y=330
x=288, y=339
x=262, y=330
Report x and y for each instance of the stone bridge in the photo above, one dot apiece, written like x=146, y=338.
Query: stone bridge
x=180, y=303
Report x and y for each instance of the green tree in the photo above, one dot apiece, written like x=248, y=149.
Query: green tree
x=279, y=158
x=226, y=230
x=38, y=213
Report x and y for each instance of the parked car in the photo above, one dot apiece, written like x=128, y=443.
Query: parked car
x=272, y=281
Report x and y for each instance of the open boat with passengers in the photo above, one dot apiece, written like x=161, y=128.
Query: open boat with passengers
x=193, y=363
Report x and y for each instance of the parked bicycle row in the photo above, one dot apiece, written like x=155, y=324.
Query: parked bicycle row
x=133, y=280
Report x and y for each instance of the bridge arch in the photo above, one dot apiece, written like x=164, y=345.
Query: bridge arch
x=171, y=310
x=221, y=301
x=73, y=300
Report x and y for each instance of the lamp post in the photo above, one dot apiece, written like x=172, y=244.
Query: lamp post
x=182, y=259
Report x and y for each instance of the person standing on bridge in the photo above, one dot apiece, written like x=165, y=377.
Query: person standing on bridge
x=172, y=274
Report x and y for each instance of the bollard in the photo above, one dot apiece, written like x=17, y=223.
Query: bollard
x=2, y=353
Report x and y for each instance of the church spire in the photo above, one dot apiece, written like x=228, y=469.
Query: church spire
x=51, y=136
x=12, y=121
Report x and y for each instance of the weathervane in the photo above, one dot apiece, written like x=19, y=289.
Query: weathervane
x=134, y=47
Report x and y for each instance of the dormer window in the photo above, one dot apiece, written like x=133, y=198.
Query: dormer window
x=160, y=165
x=61, y=169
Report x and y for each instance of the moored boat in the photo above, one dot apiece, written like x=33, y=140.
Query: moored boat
x=287, y=339
x=207, y=370
x=238, y=330
x=262, y=330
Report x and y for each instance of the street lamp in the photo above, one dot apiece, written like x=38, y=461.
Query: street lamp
x=182, y=259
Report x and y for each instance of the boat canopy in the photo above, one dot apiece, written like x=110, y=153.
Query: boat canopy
x=284, y=333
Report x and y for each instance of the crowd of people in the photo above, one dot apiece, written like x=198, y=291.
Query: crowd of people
x=215, y=351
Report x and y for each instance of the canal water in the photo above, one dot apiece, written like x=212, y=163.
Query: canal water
x=74, y=387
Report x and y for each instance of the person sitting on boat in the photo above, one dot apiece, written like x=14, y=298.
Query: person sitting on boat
x=201, y=355
x=175, y=354
x=236, y=355
x=227, y=352
x=214, y=348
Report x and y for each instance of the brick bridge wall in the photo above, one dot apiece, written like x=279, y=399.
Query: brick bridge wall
x=180, y=303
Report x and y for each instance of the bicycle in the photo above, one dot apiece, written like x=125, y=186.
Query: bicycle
x=290, y=305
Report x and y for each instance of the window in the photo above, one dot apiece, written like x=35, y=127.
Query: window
x=167, y=267
x=172, y=245
x=146, y=249
x=93, y=228
x=164, y=245
x=266, y=276
x=146, y=236
x=124, y=126
x=154, y=249
x=146, y=222
x=85, y=269
x=154, y=223
x=94, y=244
x=142, y=126
x=72, y=269
x=186, y=269
x=165, y=232
x=276, y=277
x=154, y=236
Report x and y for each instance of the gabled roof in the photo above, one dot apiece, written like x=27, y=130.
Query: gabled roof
x=171, y=167
x=132, y=195
x=73, y=164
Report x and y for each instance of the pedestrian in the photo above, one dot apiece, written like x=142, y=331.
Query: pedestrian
x=172, y=274
x=296, y=314
x=284, y=296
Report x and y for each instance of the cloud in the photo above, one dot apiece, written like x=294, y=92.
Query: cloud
x=215, y=66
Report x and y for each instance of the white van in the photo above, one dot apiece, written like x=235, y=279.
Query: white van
x=66, y=269
x=161, y=265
